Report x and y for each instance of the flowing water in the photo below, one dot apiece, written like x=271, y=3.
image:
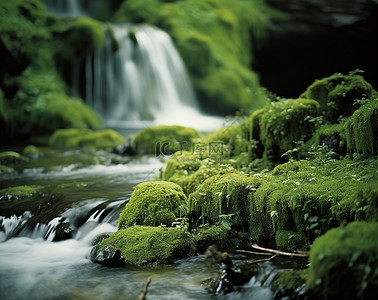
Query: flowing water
x=89, y=195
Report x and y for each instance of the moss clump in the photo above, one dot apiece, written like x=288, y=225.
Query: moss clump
x=85, y=138
x=142, y=244
x=362, y=129
x=288, y=283
x=282, y=124
x=19, y=191
x=32, y=151
x=336, y=94
x=343, y=263
x=213, y=235
x=165, y=139
x=154, y=203
x=291, y=166
x=224, y=196
x=11, y=157
x=78, y=37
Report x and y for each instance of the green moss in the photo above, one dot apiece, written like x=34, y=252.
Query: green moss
x=11, y=157
x=362, y=129
x=213, y=235
x=85, y=138
x=281, y=125
x=154, y=203
x=19, y=191
x=141, y=245
x=41, y=106
x=336, y=94
x=165, y=139
x=343, y=263
x=288, y=282
x=5, y=169
x=288, y=240
x=78, y=37
x=312, y=199
x=32, y=150
x=291, y=166
x=224, y=195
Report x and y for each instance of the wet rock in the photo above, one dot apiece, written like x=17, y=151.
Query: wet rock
x=63, y=231
x=107, y=255
x=100, y=238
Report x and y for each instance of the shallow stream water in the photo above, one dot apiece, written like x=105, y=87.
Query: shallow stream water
x=89, y=194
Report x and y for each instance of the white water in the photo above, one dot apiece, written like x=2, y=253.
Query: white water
x=144, y=80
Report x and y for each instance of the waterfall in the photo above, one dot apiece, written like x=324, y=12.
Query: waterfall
x=145, y=79
x=138, y=76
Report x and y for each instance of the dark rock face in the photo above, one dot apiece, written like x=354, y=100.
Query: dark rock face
x=63, y=231
x=107, y=255
x=318, y=38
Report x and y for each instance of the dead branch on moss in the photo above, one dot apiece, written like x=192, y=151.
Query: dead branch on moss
x=264, y=259
x=292, y=254
x=143, y=292
x=253, y=253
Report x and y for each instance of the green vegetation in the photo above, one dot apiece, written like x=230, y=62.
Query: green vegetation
x=85, y=138
x=214, y=39
x=165, y=139
x=280, y=125
x=287, y=282
x=11, y=157
x=142, y=244
x=336, y=94
x=154, y=203
x=344, y=262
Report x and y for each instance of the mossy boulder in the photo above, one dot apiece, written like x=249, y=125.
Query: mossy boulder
x=32, y=151
x=361, y=129
x=165, y=139
x=11, y=157
x=141, y=245
x=336, y=95
x=290, y=283
x=19, y=191
x=154, y=203
x=85, y=138
x=40, y=106
x=281, y=125
x=224, y=198
x=344, y=263
x=78, y=37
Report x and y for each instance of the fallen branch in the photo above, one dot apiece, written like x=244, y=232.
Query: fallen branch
x=253, y=253
x=143, y=292
x=301, y=254
x=264, y=259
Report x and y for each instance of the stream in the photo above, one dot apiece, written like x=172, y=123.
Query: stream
x=90, y=195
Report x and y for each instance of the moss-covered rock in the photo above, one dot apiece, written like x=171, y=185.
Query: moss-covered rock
x=165, y=139
x=344, y=263
x=281, y=125
x=32, y=151
x=154, y=203
x=85, y=138
x=19, y=191
x=336, y=94
x=361, y=129
x=290, y=283
x=224, y=198
x=143, y=244
x=11, y=157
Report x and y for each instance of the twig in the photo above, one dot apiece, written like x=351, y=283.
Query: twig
x=253, y=253
x=255, y=246
x=264, y=259
x=143, y=292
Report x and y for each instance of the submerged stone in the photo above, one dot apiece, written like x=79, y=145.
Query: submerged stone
x=107, y=255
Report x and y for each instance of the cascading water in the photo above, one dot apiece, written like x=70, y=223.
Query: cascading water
x=143, y=80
